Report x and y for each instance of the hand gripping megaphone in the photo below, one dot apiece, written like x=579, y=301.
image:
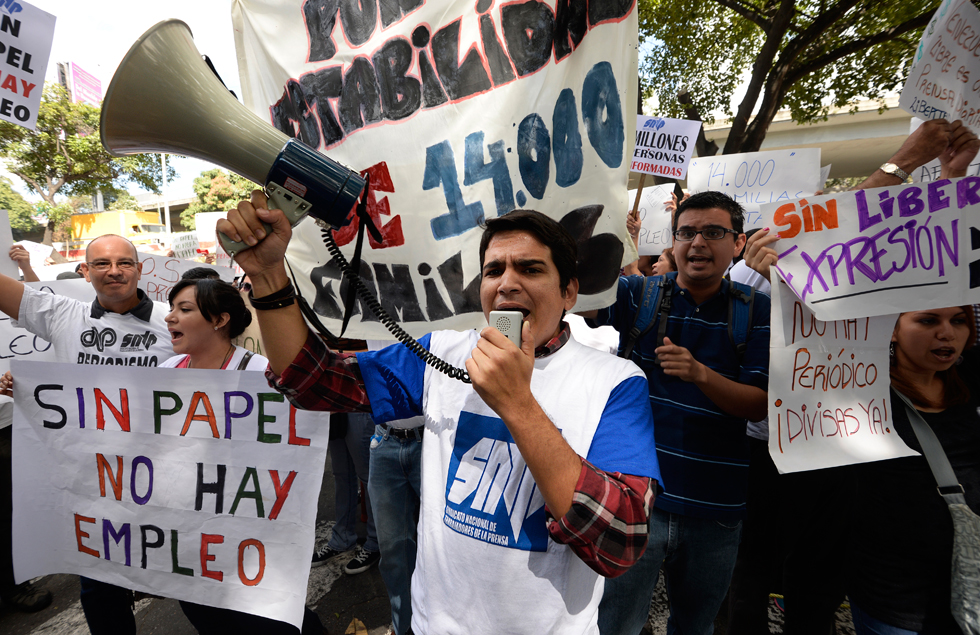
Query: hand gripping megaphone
x=165, y=98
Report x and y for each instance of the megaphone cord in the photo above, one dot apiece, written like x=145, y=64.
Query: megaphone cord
x=372, y=303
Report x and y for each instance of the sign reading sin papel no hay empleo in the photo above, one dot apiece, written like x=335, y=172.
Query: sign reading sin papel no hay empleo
x=194, y=485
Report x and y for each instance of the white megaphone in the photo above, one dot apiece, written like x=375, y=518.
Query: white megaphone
x=164, y=98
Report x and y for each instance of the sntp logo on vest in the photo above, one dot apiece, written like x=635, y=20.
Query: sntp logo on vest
x=133, y=342
x=490, y=494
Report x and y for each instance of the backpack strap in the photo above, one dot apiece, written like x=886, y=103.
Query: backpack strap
x=645, y=313
x=740, y=307
x=242, y=365
x=663, y=313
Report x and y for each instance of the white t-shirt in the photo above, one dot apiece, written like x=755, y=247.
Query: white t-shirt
x=256, y=363
x=486, y=563
x=79, y=338
x=745, y=274
x=604, y=338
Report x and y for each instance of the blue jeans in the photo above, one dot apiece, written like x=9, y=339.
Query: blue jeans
x=395, y=492
x=864, y=624
x=698, y=556
x=350, y=460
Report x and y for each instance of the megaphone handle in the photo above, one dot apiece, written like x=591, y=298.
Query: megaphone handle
x=294, y=208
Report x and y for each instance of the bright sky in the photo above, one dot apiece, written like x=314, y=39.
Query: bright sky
x=96, y=35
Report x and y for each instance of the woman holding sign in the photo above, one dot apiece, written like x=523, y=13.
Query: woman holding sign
x=902, y=538
x=900, y=542
x=205, y=316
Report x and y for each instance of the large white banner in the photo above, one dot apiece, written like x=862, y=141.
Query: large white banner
x=192, y=484
x=886, y=250
x=459, y=111
x=829, y=402
x=26, y=33
x=945, y=72
x=758, y=178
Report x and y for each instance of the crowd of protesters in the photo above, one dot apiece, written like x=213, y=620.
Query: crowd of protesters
x=652, y=461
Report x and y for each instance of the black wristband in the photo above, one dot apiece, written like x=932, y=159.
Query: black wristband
x=281, y=298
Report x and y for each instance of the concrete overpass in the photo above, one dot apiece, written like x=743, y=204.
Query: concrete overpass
x=154, y=203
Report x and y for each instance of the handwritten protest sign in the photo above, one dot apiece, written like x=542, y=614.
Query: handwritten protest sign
x=39, y=252
x=185, y=245
x=195, y=485
x=664, y=146
x=655, y=229
x=17, y=343
x=517, y=105
x=26, y=33
x=856, y=254
x=7, y=266
x=161, y=273
x=932, y=171
x=829, y=402
x=757, y=178
x=940, y=85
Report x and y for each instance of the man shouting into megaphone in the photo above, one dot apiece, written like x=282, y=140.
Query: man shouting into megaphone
x=538, y=476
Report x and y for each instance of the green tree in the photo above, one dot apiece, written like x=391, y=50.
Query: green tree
x=217, y=191
x=64, y=155
x=18, y=209
x=807, y=55
x=121, y=200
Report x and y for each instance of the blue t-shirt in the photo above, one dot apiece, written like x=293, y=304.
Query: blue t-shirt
x=703, y=451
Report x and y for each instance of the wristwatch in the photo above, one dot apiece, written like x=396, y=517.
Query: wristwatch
x=894, y=170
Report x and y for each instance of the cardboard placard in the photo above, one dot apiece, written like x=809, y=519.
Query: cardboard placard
x=197, y=485
x=758, y=178
x=26, y=34
x=655, y=229
x=829, y=403
x=664, y=146
x=942, y=80
x=887, y=250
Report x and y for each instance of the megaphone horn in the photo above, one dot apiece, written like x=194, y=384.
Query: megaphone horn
x=164, y=98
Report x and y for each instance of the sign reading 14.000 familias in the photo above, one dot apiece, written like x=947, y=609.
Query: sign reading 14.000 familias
x=459, y=111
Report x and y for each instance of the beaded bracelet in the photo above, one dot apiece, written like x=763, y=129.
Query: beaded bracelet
x=281, y=298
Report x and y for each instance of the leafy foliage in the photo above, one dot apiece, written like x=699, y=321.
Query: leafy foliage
x=805, y=55
x=120, y=200
x=64, y=155
x=217, y=191
x=18, y=209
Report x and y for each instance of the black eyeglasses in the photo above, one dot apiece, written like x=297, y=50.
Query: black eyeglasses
x=245, y=286
x=709, y=233
x=105, y=265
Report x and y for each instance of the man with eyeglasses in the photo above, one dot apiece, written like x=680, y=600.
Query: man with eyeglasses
x=702, y=391
x=121, y=327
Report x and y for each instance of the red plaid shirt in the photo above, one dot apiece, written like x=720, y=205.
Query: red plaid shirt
x=607, y=523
